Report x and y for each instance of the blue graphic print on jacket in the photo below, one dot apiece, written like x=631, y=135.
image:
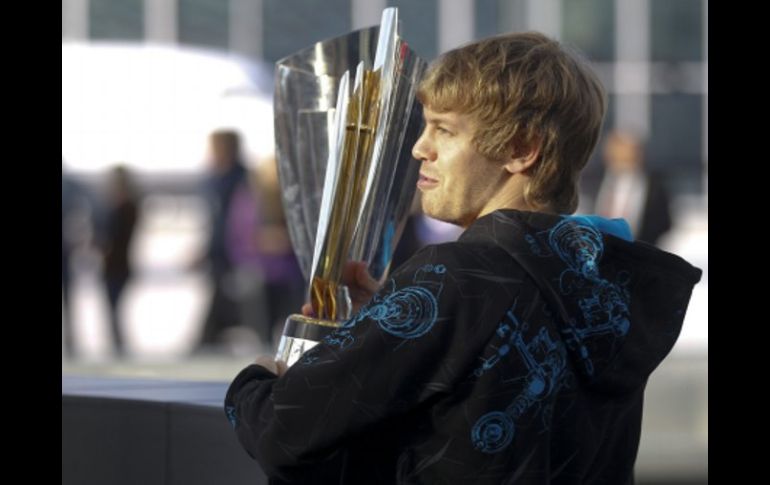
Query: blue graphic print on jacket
x=230, y=411
x=602, y=303
x=545, y=360
x=407, y=313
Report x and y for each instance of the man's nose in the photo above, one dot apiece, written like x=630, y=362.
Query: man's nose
x=423, y=149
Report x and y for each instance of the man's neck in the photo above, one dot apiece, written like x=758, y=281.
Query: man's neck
x=510, y=196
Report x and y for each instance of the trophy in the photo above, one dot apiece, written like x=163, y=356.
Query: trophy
x=345, y=123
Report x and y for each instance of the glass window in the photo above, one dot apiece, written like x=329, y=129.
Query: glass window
x=487, y=18
x=590, y=26
x=674, y=146
x=419, y=25
x=116, y=19
x=677, y=30
x=291, y=25
x=204, y=22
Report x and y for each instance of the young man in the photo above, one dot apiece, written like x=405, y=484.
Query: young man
x=519, y=353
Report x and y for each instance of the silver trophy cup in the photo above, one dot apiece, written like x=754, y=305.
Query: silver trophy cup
x=345, y=122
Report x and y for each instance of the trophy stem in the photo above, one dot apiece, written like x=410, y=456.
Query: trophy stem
x=323, y=294
x=301, y=333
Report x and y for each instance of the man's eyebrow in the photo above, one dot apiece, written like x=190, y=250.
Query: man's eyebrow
x=438, y=118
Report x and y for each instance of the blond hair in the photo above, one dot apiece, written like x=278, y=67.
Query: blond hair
x=524, y=90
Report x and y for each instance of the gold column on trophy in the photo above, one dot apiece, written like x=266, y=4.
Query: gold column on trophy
x=360, y=125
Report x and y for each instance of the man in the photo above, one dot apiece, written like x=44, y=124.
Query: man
x=517, y=354
x=628, y=190
x=226, y=174
x=121, y=214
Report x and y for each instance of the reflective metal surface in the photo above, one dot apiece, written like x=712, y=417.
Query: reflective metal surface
x=304, y=103
x=301, y=333
x=345, y=122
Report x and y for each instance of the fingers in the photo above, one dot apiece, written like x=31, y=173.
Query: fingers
x=351, y=271
x=277, y=367
x=365, y=280
x=281, y=367
x=356, y=273
x=268, y=362
x=307, y=310
x=361, y=286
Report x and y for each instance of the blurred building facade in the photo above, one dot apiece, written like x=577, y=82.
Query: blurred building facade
x=651, y=54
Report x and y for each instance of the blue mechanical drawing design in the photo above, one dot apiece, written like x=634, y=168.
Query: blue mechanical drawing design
x=340, y=338
x=603, y=303
x=407, y=313
x=230, y=410
x=545, y=360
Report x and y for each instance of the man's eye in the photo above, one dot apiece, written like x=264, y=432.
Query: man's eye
x=443, y=130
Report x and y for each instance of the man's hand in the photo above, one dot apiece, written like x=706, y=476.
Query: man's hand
x=277, y=367
x=361, y=286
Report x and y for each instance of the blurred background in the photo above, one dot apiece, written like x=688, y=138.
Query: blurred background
x=175, y=256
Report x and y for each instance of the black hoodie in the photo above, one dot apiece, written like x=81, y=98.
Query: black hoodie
x=518, y=354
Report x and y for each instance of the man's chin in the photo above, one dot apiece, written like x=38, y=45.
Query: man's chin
x=428, y=210
x=440, y=216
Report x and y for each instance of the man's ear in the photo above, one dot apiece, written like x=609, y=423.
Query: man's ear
x=521, y=159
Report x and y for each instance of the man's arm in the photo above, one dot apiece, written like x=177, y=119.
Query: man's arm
x=384, y=362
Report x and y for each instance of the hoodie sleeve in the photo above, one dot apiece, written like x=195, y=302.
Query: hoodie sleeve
x=402, y=349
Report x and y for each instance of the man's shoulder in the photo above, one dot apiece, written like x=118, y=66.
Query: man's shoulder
x=451, y=252
x=467, y=258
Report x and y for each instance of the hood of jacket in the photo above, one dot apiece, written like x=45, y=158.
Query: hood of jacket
x=619, y=304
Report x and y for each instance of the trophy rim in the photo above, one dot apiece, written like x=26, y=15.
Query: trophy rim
x=296, y=317
x=301, y=53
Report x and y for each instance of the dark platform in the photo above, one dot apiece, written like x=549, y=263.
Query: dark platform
x=146, y=431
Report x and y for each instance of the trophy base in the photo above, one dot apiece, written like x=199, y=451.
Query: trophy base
x=301, y=333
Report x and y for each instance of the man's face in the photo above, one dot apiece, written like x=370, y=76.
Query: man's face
x=622, y=152
x=222, y=153
x=458, y=184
